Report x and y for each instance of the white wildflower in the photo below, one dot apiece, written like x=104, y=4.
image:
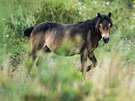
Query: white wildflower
x=7, y=35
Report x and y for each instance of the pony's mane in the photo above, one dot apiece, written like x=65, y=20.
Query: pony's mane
x=107, y=18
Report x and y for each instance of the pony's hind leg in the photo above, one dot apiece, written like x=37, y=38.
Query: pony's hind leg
x=37, y=42
x=31, y=60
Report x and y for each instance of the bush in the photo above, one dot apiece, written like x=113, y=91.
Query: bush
x=62, y=80
x=58, y=10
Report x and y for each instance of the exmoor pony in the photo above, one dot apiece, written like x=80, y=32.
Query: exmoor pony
x=70, y=39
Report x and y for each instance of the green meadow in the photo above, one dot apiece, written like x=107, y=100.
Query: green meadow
x=58, y=78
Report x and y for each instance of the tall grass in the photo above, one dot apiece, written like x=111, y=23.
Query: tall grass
x=113, y=80
x=55, y=79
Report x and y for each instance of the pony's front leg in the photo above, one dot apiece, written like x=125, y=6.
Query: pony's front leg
x=84, y=56
x=93, y=59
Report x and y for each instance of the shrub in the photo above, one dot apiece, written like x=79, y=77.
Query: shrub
x=58, y=10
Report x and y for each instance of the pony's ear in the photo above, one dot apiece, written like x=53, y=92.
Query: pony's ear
x=99, y=15
x=109, y=15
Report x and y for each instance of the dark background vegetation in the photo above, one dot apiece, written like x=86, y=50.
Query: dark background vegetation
x=58, y=78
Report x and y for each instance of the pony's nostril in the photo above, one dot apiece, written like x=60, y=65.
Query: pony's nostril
x=106, y=39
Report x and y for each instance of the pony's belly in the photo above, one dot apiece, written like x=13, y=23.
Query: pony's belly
x=67, y=51
x=64, y=44
x=69, y=48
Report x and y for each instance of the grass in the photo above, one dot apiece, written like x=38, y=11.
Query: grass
x=113, y=80
x=57, y=78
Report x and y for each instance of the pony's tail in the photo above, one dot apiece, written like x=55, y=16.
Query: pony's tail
x=28, y=31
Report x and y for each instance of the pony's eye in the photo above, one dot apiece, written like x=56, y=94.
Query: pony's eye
x=100, y=25
x=109, y=25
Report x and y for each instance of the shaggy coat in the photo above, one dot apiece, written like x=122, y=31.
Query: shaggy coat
x=70, y=39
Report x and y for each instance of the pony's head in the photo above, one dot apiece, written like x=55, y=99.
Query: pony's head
x=104, y=24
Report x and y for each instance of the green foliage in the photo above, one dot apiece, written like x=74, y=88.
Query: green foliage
x=61, y=79
x=58, y=11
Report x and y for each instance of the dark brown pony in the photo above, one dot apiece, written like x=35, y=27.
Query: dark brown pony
x=70, y=39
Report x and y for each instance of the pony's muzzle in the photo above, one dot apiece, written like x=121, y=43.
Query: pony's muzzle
x=106, y=39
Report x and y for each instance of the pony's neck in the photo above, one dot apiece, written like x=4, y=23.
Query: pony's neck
x=91, y=25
